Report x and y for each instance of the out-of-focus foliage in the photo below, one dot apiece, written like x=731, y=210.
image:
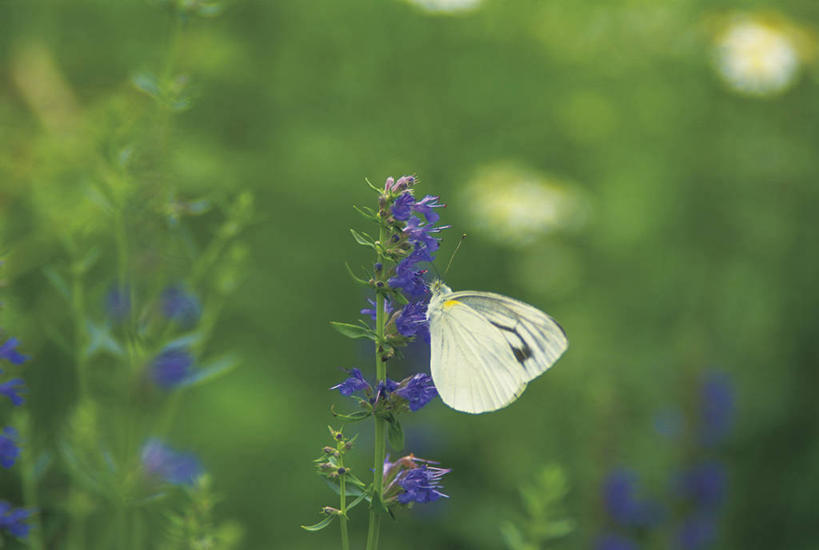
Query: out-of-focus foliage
x=683, y=134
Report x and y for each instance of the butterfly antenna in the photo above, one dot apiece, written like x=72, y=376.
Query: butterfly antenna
x=448, y=265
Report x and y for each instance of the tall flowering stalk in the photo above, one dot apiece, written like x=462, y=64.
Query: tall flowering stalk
x=406, y=238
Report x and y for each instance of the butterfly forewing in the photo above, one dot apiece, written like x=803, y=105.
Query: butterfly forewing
x=535, y=340
x=471, y=362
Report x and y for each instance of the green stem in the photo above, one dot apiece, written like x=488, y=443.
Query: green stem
x=28, y=460
x=380, y=424
x=342, y=491
x=78, y=314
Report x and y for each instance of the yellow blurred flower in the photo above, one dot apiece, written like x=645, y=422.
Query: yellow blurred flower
x=446, y=6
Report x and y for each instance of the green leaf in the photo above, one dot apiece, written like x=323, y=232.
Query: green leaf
x=353, y=331
x=366, y=211
x=213, y=369
x=357, y=279
x=362, y=238
x=351, y=491
x=320, y=525
x=356, y=416
x=373, y=187
x=362, y=497
x=58, y=282
x=395, y=434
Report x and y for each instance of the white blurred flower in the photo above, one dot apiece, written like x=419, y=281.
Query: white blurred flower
x=516, y=206
x=446, y=6
x=756, y=57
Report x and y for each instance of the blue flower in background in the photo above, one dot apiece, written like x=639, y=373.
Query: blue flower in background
x=9, y=449
x=181, y=306
x=697, y=531
x=12, y=520
x=352, y=384
x=611, y=541
x=717, y=407
x=172, y=466
x=172, y=367
x=622, y=504
x=12, y=390
x=418, y=390
x=704, y=484
x=9, y=352
x=118, y=303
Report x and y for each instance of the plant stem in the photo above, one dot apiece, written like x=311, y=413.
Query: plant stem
x=342, y=491
x=28, y=461
x=380, y=423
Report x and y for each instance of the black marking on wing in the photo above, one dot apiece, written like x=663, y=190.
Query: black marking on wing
x=521, y=353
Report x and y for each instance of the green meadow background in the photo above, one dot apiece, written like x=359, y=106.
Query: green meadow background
x=689, y=245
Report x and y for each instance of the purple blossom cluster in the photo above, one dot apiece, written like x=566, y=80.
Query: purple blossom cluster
x=174, y=467
x=698, y=489
x=410, y=479
x=12, y=520
x=414, y=391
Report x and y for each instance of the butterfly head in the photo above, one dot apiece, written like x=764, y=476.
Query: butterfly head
x=437, y=287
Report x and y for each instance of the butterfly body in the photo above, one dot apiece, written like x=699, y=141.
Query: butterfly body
x=485, y=347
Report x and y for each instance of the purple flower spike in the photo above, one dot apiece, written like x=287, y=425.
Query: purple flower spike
x=172, y=367
x=172, y=466
x=417, y=390
x=9, y=449
x=12, y=520
x=12, y=389
x=352, y=384
x=9, y=352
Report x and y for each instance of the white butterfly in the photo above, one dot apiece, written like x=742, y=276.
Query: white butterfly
x=486, y=347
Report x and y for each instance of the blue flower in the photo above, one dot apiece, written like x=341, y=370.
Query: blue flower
x=418, y=390
x=403, y=205
x=12, y=389
x=717, y=402
x=704, y=484
x=409, y=279
x=174, y=467
x=619, y=494
x=412, y=321
x=181, y=306
x=9, y=450
x=421, y=484
x=420, y=234
x=11, y=520
x=9, y=352
x=352, y=384
x=118, y=302
x=371, y=310
x=172, y=367
x=697, y=531
x=611, y=541
x=425, y=206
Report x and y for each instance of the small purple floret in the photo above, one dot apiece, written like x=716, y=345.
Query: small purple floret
x=12, y=389
x=352, y=384
x=9, y=352
x=172, y=466
x=172, y=367
x=417, y=390
x=12, y=520
x=9, y=449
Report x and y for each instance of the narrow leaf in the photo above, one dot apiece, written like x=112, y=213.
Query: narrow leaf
x=57, y=281
x=365, y=211
x=362, y=239
x=354, y=276
x=362, y=497
x=320, y=525
x=353, y=331
x=373, y=187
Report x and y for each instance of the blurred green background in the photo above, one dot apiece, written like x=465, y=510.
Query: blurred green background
x=620, y=165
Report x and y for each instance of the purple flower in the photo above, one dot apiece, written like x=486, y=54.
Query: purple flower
x=412, y=321
x=425, y=206
x=181, y=306
x=611, y=541
x=619, y=495
x=172, y=466
x=418, y=390
x=371, y=310
x=118, y=302
x=9, y=352
x=12, y=389
x=717, y=402
x=402, y=206
x=697, y=531
x=704, y=484
x=172, y=367
x=420, y=234
x=409, y=279
x=9, y=450
x=12, y=520
x=352, y=384
x=421, y=484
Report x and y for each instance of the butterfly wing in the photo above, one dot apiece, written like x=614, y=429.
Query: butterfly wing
x=535, y=340
x=471, y=363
